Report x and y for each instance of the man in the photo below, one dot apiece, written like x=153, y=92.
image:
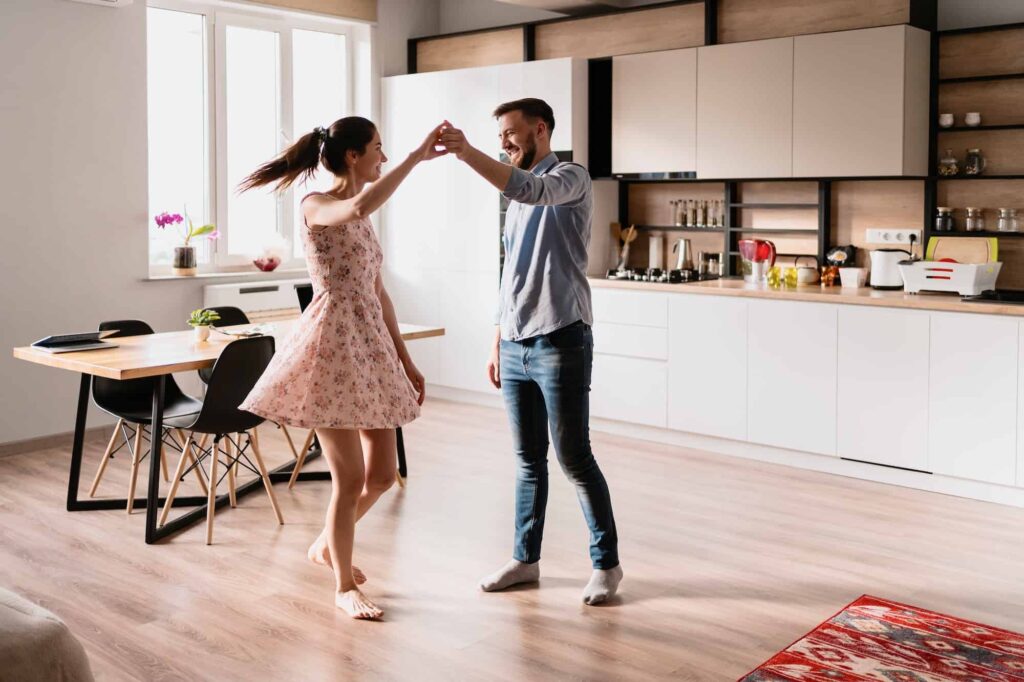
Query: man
x=543, y=347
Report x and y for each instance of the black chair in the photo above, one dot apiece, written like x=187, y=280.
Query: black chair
x=131, y=401
x=234, y=374
x=305, y=294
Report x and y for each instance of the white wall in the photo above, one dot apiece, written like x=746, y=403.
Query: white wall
x=397, y=21
x=969, y=13
x=469, y=15
x=73, y=196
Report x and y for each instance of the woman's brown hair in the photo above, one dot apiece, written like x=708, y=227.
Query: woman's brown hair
x=328, y=146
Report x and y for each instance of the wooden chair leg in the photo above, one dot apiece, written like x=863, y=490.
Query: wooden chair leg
x=163, y=459
x=266, y=481
x=136, y=458
x=301, y=459
x=178, y=473
x=232, y=453
x=211, y=499
x=194, y=463
x=106, y=458
x=288, y=437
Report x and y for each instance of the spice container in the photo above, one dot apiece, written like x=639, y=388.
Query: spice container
x=948, y=165
x=1008, y=220
x=944, y=220
x=974, y=164
x=975, y=220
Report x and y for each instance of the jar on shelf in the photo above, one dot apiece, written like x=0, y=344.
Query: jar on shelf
x=975, y=220
x=944, y=220
x=974, y=164
x=948, y=165
x=1008, y=220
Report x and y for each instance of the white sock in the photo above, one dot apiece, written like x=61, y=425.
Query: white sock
x=602, y=586
x=512, y=573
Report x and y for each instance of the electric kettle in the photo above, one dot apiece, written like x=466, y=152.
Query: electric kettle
x=885, y=271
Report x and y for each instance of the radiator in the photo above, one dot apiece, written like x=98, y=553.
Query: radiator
x=254, y=297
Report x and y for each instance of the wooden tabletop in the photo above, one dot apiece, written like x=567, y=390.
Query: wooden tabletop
x=166, y=353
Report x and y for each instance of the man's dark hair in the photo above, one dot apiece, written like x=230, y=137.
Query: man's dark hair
x=531, y=108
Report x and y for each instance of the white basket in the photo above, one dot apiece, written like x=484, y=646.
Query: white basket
x=966, y=279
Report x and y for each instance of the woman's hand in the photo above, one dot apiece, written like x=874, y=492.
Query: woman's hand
x=418, y=382
x=454, y=141
x=429, y=149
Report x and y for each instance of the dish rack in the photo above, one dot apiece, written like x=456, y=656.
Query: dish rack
x=966, y=279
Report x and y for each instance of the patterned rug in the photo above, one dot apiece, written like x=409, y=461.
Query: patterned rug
x=876, y=639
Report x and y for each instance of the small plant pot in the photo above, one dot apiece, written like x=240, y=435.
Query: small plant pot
x=184, y=261
x=200, y=333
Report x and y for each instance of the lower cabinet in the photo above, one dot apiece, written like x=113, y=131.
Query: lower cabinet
x=707, y=365
x=883, y=386
x=791, y=375
x=629, y=389
x=972, y=406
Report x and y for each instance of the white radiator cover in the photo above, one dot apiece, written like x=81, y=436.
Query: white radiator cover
x=254, y=296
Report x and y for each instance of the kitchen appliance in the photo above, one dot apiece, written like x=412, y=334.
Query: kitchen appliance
x=658, y=275
x=841, y=255
x=656, y=250
x=684, y=254
x=1012, y=296
x=885, y=270
x=757, y=256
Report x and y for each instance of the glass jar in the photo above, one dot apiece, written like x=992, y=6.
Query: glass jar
x=975, y=220
x=948, y=165
x=974, y=164
x=1008, y=220
x=944, y=220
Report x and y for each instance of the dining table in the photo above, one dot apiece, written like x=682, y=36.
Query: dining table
x=158, y=356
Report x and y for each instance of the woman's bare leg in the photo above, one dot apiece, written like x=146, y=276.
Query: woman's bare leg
x=380, y=464
x=343, y=452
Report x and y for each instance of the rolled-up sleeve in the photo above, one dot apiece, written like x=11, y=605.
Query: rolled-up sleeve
x=563, y=185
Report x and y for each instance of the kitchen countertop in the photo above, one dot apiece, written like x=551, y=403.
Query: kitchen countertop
x=816, y=293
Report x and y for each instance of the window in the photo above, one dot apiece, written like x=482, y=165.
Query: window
x=228, y=92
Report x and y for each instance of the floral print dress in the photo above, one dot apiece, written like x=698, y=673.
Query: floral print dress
x=339, y=368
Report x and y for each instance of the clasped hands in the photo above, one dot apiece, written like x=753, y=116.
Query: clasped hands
x=442, y=140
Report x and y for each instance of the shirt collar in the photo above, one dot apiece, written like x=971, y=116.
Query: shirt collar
x=545, y=164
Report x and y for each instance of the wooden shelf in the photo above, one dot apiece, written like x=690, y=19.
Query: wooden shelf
x=964, y=129
x=769, y=230
x=771, y=205
x=680, y=228
x=986, y=233
x=978, y=177
x=980, y=79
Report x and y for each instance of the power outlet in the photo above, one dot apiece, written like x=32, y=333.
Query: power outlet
x=895, y=235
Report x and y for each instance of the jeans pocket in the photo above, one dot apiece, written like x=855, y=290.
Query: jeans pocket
x=571, y=338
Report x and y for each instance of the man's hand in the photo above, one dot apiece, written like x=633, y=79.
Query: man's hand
x=454, y=140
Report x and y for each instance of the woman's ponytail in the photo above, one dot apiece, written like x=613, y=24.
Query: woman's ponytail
x=297, y=163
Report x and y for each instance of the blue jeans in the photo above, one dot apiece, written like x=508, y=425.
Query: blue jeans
x=546, y=383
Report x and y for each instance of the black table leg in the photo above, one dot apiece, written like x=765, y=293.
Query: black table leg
x=79, y=442
x=402, y=469
x=156, y=442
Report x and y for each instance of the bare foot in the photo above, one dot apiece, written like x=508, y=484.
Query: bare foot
x=320, y=554
x=357, y=605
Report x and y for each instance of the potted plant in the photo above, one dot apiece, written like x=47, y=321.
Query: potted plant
x=201, y=320
x=185, y=256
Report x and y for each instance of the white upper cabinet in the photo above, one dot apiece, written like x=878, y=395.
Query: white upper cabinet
x=745, y=109
x=654, y=112
x=562, y=83
x=860, y=103
x=883, y=386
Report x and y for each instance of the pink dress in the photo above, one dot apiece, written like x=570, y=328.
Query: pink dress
x=339, y=367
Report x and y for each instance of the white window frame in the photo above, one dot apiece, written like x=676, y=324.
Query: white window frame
x=218, y=15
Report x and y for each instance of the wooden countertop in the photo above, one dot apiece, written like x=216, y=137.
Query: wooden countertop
x=816, y=293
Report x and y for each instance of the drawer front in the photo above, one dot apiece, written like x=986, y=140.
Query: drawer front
x=642, y=308
x=631, y=390
x=630, y=340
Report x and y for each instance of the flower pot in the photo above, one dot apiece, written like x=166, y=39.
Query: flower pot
x=200, y=333
x=184, y=261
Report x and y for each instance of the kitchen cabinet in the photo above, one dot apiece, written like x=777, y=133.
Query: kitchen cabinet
x=619, y=306
x=883, y=386
x=745, y=109
x=562, y=83
x=654, y=112
x=791, y=375
x=972, y=397
x=860, y=102
x=707, y=366
x=628, y=389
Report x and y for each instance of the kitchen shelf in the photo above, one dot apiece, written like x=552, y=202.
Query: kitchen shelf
x=770, y=205
x=965, y=129
x=768, y=230
x=986, y=233
x=782, y=255
x=978, y=177
x=980, y=79
x=679, y=228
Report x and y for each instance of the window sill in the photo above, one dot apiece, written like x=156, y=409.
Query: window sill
x=244, y=275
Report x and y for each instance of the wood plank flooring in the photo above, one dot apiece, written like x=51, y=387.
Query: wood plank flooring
x=726, y=561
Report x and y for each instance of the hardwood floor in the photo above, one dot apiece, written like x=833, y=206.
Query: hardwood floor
x=726, y=561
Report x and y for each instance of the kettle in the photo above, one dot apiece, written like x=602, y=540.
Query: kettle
x=806, y=274
x=684, y=254
x=885, y=271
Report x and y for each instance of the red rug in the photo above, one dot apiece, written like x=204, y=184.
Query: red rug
x=877, y=639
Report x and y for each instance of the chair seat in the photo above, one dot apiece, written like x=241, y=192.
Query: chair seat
x=180, y=406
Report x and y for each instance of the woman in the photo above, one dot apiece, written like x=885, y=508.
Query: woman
x=344, y=371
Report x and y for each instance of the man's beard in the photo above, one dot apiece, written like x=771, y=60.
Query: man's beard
x=529, y=152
